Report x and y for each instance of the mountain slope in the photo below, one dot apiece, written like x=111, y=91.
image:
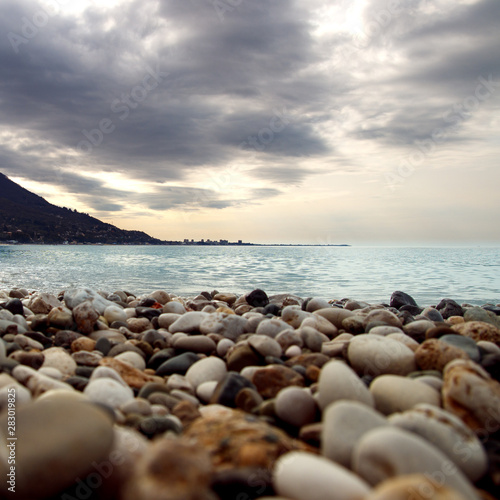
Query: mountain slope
x=28, y=218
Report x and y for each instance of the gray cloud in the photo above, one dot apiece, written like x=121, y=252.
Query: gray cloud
x=161, y=91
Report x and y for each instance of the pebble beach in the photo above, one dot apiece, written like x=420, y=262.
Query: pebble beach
x=118, y=396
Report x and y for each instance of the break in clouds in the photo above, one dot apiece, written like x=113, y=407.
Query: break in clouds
x=228, y=103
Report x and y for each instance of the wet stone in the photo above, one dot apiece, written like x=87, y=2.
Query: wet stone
x=399, y=299
x=448, y=307
x=432, y=314
x=257, y=298
x=15, y=306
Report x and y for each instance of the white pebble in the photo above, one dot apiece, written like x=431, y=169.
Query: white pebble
x=339, y=381
x=205, y=370
x=303, y=476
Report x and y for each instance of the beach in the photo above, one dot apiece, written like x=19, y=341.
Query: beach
x=221, y=395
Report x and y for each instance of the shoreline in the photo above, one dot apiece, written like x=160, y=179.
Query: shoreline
x=250, y=394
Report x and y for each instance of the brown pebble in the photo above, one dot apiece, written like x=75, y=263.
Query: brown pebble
x=478, y=330
x=248, y=399
x=34, y=359
x=470, y=393
x=439, y=331
x=139, y=325
x=311, y=434
x=145, y=347
x=83, y=344
x=226, y=310
x=172, y=469
x=186, y=412
x=252, y=455
x=242, y=355
x=236, y=439
x=306, y=360
x=64, y=338
x=243, y=309
x=312, y=373
x=434, y=354
x=16, y=294
x=272, y=378
x=132, y=376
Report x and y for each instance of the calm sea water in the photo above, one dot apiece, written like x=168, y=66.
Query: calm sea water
x=364, y=273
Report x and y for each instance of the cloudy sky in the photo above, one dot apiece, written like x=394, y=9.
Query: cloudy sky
x=326, y=121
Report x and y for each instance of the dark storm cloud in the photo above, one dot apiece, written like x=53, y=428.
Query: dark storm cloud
x=160, y=90
x=156, y=113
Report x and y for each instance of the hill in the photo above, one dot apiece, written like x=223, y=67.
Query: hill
x=28, y=218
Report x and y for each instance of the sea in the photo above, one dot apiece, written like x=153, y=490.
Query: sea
x=371, y=274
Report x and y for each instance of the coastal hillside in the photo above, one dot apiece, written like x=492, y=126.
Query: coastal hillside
x=28, y=218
